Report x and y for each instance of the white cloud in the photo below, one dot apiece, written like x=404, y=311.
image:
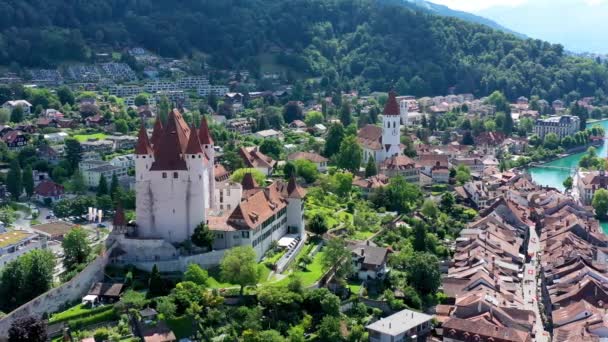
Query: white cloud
x=479, y=5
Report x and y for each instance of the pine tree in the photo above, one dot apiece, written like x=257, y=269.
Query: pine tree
x=345, y=116
x=202, y=236
x=13, y=180
x=27, y=178
x=114, y=186
x=102, y=187
x=370, y=168
x=155, y=284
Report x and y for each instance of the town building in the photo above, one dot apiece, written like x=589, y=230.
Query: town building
x=405, y=325
x=25, y=106
x=563, y=126
x=93, y=170
x=255, y=159
x=49, y=192
x=588, y=182
x=15, y=140
x=381, y=143
x=402, y=166
x=369, y=262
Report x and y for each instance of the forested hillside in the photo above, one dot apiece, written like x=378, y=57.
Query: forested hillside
x=350, y=43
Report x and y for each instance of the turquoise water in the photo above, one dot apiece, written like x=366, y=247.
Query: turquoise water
x=555, y=177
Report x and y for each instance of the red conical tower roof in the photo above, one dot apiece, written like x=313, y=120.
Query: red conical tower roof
x=294, y=190
x=248, y=182
x=143, y=144
x=157, y=133
x=391, y=107
x=194, y=145
x=203, y=133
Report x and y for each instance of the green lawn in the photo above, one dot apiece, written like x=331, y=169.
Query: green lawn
x=360, y=235
x=77, y=311
x=85, y=137
x=313, y=272
x=181, y=326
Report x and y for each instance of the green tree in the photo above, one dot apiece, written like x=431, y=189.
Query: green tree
x=337, y=256
x=307, y=170
x=272, y=148
x=333, y=140
x=568, y=183
x=370, y=168
x=142, y=99
x=114, y=187
x=447, y=202
x=202, y=236
x=196, y=274
x=17, y=114
x=121, y=126
x=350, y=155
x=292, y=111
x=163, y=109
x=551, y=141
x=317, y=224
x=27, y=178
x=289, y=170
x=65, y=95
x=39, y=266
x=13, y=180
x=76, y=248
x=345, y=114
x=429, y=209
x=156, y=286
x=313, y=118
x=77, y=183
x=73, y=152
x=600, y=202
x=27, y=329
x=463, y=174
x=102, y=187
x=239, y=266
x=258, y=176
x=329, y=329
x=423, y=272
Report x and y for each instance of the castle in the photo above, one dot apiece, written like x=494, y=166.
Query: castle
x=176, y=190
x=382, y=143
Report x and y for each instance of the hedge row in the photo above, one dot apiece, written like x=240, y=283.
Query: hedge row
x=105, y=316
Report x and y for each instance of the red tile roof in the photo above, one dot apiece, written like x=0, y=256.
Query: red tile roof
x=194, y=145
x=370, y=136
x=143, y=143
x=49, y=189
x=313, y=157
x=294, y=190
x=157, y=133
x=391, y=107
x=172, y=145
x=203, y=133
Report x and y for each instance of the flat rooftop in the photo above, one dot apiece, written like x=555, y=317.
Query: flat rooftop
x=54, y=229
x=399, y=323
x=13, y=237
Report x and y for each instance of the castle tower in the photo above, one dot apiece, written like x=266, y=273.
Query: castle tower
x=295, y=207
x=391, y=128
x=208, y=148
x=157, y=132
x=197, y=197
x=144, y=157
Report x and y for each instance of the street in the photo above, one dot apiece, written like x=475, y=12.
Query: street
x=529, y=288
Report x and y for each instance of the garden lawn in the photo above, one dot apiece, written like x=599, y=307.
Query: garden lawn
x=85, y=137
x=313, y=272
x=361, y=235
x=78, y=311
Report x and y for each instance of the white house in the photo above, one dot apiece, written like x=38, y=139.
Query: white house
x=405, y=325
x=26, y=106
x=56, y=138
x=269, y=134
x=369, y=261
x=317, y=159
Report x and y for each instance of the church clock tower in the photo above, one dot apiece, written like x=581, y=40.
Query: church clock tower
x=391, y=128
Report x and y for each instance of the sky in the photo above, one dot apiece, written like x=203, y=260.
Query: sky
x=579, y=25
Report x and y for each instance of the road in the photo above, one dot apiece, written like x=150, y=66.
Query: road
x=529, y=287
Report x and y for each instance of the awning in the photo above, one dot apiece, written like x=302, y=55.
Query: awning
x=89, y=298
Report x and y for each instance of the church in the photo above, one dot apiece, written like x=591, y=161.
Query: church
x=382, y=143
x=176, y=190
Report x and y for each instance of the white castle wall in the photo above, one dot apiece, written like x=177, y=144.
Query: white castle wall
x=54, y=299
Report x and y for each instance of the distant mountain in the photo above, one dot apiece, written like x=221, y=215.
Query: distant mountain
x=448, y=12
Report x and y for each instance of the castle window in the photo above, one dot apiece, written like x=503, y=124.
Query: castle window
x=175, y=174
x=164, y=175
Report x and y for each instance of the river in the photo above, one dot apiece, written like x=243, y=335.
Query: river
x=555, y=177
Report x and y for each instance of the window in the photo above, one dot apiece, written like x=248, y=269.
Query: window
x=164, y=175
x=175, y=174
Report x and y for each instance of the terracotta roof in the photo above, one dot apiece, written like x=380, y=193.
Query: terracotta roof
x=456, y=328
x=194, y=145
x=157, y=132
x=370, y=136
x=158, y=333
x=253, y=211
x=12, y=136
x=220, y=172
x=254, y=158
x=143, y=143
x=203, y=133
x=391, y=107
x=249, y=182
x=173, y=143
x=399, y=162
x=374, y=182
x=48, y=189
x=106, y=289
x=294, y=190
x=313, y=157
